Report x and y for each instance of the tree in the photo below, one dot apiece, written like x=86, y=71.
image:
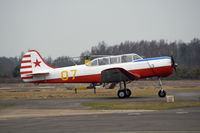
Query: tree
x=16, y=71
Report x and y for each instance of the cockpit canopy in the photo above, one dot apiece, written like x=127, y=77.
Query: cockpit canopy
x=114, y=59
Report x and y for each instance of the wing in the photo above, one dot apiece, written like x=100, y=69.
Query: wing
x=117, y=75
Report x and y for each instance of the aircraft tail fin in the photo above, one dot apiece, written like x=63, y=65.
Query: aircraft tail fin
x=33, y=64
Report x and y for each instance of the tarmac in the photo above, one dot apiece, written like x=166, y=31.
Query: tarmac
x=173, y=120
x=67, y=115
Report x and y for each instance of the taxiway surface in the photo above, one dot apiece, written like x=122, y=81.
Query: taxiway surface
x=81, y=120
x=173, y=120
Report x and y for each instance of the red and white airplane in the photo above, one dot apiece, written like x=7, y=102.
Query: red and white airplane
x=109, y=69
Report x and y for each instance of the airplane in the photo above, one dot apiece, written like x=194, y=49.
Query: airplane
x=107, y=69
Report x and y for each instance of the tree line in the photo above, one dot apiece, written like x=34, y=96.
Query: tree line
x=186, y=55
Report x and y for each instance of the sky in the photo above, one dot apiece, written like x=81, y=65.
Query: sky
x=69, y=27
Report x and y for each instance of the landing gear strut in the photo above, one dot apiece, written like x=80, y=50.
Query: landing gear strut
x=94, y=87
x=162, y=92
x=125, y=92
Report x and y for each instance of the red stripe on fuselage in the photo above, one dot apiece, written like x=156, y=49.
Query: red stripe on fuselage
x=23, y=67
x=30, y=77
x=26, y=72
x=96, y=78
x=26, y=61
x=26, y=56
x=156, y=71
x=80, y=79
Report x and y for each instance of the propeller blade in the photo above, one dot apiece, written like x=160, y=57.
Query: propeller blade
x=174, y=65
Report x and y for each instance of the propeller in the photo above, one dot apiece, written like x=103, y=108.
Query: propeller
x=174, y=64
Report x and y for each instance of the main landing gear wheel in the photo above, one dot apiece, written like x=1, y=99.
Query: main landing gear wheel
x=121, y=94
x=162, y=93
x=124, y=93
x=128, y=92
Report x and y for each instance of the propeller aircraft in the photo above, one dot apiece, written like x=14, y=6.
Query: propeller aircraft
x=108, y=69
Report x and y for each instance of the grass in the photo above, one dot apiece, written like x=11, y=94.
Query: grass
x=53, y=93
x=101, y=93
x=99, y=105
x=140, y=91
x=64, y=93
x=6, y=105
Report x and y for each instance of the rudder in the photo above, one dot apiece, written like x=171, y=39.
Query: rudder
x=32, y=64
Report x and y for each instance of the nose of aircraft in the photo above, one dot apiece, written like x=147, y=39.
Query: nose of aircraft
x=173, y=63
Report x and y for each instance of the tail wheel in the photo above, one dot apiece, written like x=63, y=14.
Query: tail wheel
x=121, y=94
x=128, y=92
x=162, y=93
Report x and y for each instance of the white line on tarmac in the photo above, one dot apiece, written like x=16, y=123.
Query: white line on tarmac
x=25, y=113
x=182, y=112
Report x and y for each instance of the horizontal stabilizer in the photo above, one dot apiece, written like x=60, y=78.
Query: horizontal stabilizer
x=39, y=73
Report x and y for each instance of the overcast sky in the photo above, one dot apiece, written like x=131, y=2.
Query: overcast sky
x=69, y=27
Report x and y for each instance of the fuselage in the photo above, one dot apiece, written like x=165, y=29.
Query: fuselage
x=149, y=67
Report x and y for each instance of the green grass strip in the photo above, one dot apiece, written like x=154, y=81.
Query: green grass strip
x=6, y=105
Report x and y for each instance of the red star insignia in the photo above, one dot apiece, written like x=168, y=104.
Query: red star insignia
x=37, y=63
